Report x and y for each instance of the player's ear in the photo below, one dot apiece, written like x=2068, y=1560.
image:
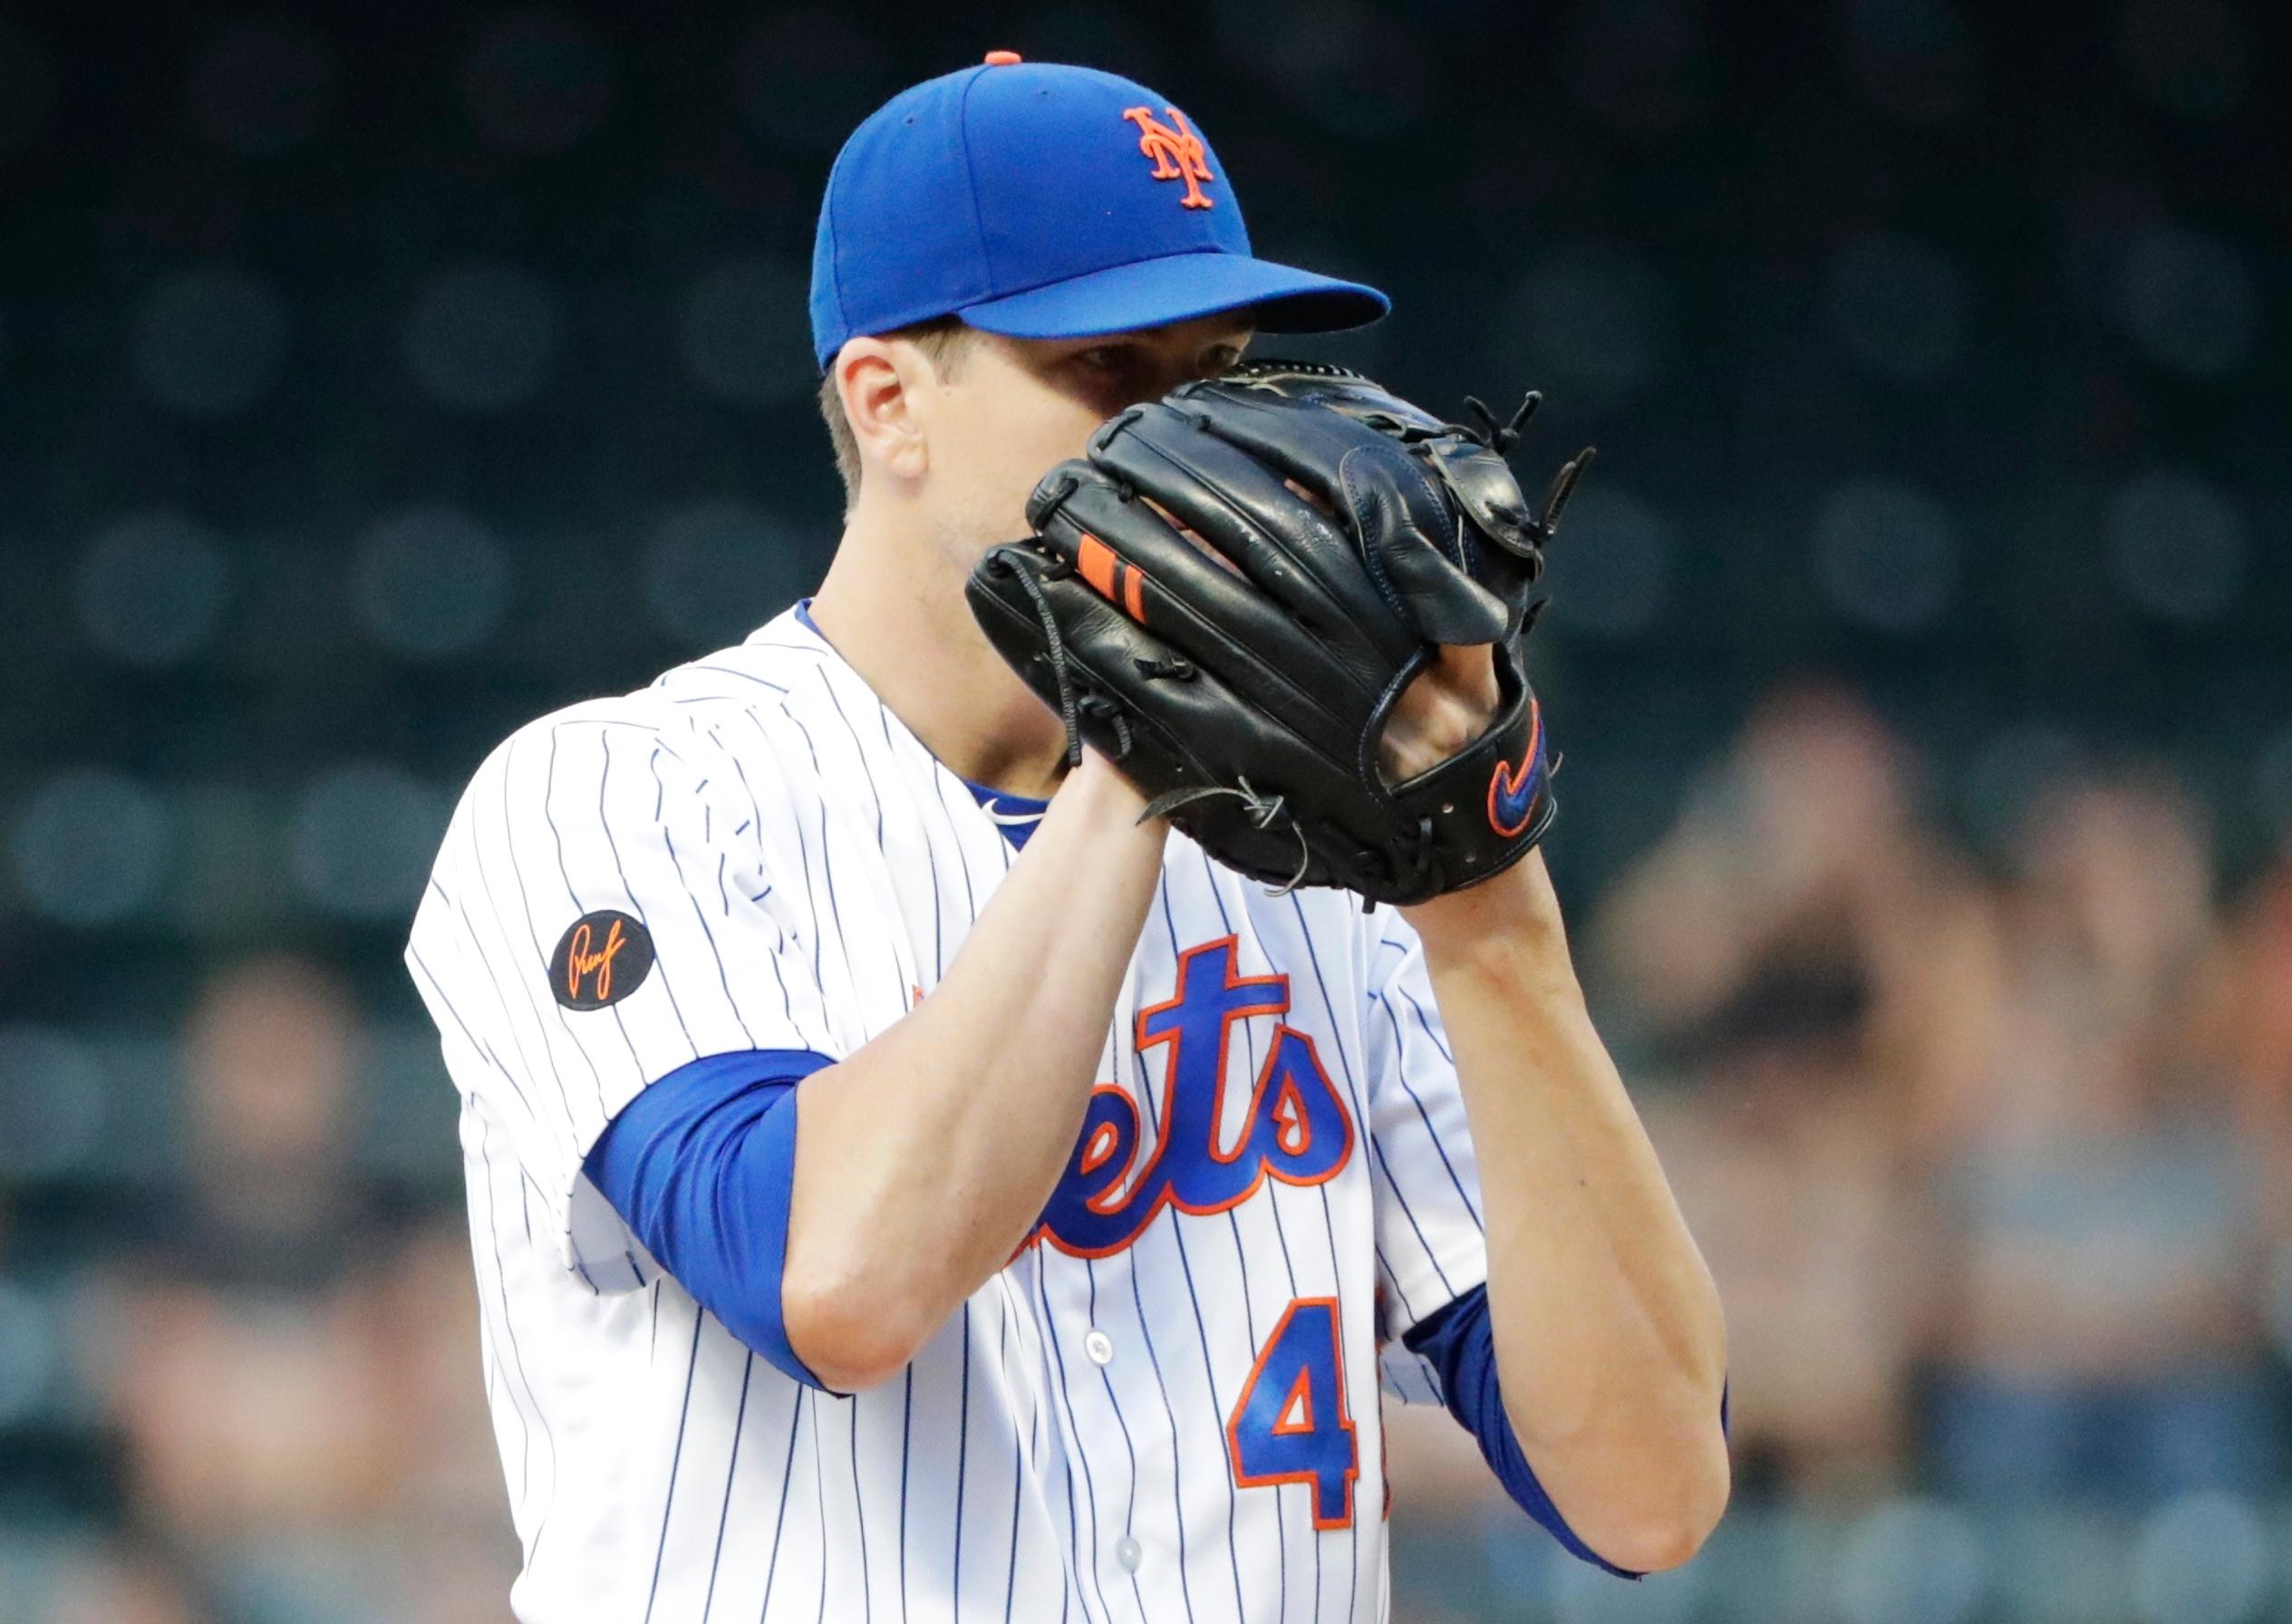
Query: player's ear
x=875, y=380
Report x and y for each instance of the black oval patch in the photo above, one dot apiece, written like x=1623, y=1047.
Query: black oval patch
x=603, y=958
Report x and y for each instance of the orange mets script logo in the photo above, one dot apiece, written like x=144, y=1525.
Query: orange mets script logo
x=603, y=958
x=1178, y=153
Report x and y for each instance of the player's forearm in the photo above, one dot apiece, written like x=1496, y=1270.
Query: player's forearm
x=1610, y=1339
x=924, y=1159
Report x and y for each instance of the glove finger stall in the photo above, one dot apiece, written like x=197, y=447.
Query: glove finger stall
x=1225, y=728
x=1173, y=733
x=1386, y=491
x=1240, y=508
x=1130, y=556
x=1408, y=535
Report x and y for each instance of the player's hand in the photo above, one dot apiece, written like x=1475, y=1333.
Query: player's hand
x=1235, y=643
x=1100, y=786
x=1443, y=709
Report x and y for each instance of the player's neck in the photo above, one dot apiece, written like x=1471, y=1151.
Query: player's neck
x=893, y=606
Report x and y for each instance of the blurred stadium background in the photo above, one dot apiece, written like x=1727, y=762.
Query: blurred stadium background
x=373, y=379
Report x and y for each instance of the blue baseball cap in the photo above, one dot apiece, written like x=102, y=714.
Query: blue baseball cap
x=1045, y=200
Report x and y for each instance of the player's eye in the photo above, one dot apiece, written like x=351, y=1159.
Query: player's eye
x=1105, y=358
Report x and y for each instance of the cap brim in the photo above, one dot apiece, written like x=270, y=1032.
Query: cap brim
x=1152, y=293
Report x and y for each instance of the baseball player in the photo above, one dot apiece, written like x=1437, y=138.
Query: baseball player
x=912, y=1178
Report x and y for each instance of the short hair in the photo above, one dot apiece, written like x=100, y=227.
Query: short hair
x=944, y=341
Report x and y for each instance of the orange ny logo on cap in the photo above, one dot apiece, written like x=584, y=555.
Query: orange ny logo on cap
x=1177, y=154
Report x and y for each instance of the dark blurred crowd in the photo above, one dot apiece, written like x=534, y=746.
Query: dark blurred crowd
x=1986, y=1146
x=283, y=1358
x=1987, y=1157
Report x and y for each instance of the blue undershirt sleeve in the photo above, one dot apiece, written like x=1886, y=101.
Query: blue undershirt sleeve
x=699, y=1165
x=1461, y=1346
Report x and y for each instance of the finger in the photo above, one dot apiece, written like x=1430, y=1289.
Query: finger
x=1445, y=709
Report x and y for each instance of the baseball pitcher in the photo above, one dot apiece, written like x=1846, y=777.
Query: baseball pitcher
x=974, y=1097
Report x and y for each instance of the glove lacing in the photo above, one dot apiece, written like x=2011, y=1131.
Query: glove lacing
x=1107, y=710
x=1263, y=811
x=1051, y=635
x=1415, y=865
x=1498, y=437
x=1072, y=709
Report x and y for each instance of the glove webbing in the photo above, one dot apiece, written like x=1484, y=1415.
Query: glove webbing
x=1070, y=707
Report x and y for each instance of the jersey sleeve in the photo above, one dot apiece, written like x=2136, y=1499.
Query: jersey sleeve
x=1431, y=1246
x=600, y=915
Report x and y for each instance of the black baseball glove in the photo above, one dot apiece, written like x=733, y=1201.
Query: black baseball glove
x=1244, y=682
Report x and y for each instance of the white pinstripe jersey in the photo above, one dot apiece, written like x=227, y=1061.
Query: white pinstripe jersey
x=1165, y=1407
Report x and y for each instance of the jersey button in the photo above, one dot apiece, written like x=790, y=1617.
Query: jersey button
x=1128, y=1553
x=1100, y=1347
